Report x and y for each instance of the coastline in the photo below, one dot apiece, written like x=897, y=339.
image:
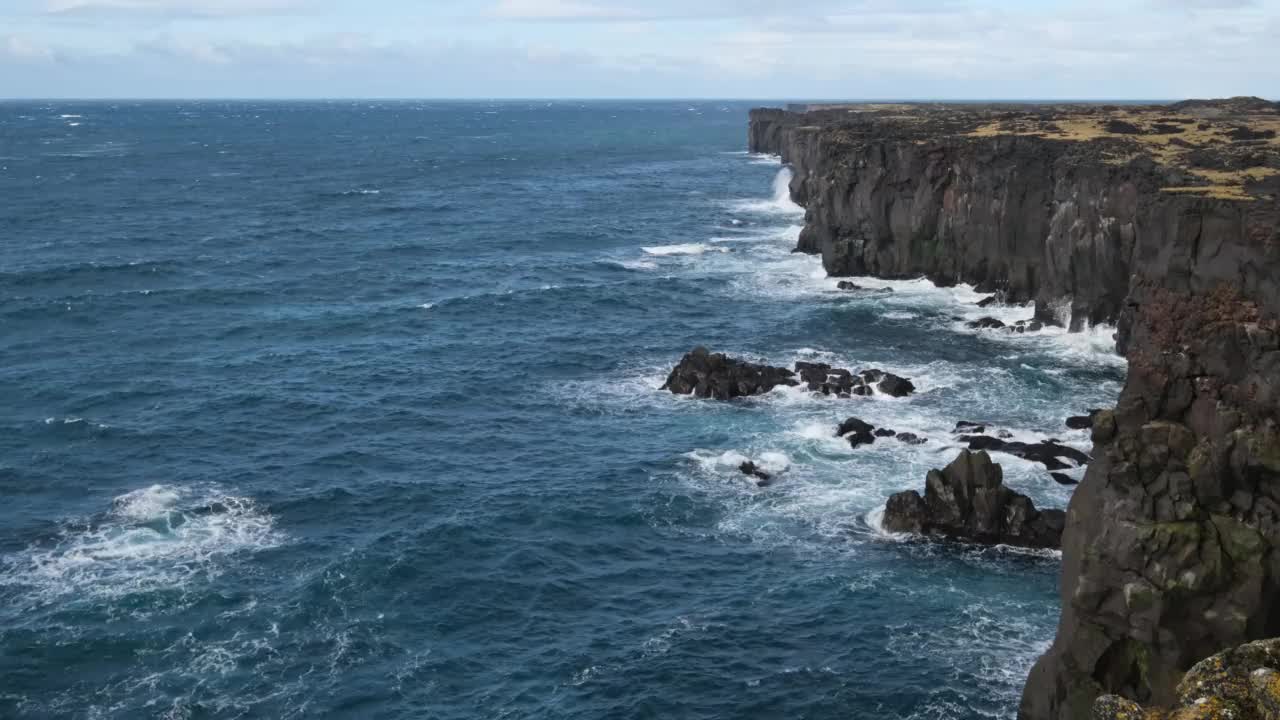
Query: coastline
x=1167, y=550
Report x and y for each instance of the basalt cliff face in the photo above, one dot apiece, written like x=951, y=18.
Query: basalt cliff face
x=1162, y=220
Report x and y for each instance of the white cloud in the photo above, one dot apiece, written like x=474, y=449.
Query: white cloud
x=559, y=10
x=171, y=8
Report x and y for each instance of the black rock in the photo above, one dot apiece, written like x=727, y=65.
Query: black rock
x=1079, y=422
x=1083, y=422
x=911, y=439
x=1026, y=326
x=714, y=375
x=857, y=432
x=820, y=377
x=1049, y=453
x=1064, y=479
x=968, y=500
x=896, y=386
x=763, y=478
x=885, y=432
x=986, y=323
x=967, y=426
x=987, y=301
x=846, y=285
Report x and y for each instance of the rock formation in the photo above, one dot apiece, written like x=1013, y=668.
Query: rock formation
x=859, y=432
x=715, y=375
x=968, y=500
x=1099, y=214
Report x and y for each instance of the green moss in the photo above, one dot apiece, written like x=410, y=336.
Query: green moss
x=1241, y=542
x=1264, y=446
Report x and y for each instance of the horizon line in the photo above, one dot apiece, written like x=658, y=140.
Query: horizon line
x=638, y=98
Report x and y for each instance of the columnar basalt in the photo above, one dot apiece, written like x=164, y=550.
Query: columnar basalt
x=1162, y=220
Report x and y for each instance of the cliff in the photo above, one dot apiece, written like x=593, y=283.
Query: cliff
x=1162, y=220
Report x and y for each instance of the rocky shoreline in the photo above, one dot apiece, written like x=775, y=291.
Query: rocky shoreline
x=1163, y=220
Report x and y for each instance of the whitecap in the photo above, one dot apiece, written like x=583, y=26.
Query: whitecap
x=681, y=249
x=157, y=538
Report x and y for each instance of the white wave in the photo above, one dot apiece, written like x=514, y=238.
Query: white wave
x=155, y=538
x=899, y=316
x=638, y=265
x=427, y=306
x=69, y=117
x=779, y=204
x=681, y=249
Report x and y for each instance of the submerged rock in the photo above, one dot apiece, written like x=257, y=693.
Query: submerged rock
x=846, y=285
x=763, y=479
x=857, y=432
x=1063, y=479
x=968, y=500
x=1049, y=453
x=1026, y=326
x=1082, y=422
x=714, y=375
x=986, y=323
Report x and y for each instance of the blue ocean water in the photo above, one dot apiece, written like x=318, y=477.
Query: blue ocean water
x=351, y=410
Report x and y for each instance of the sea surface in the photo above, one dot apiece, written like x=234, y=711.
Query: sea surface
x=352, y=410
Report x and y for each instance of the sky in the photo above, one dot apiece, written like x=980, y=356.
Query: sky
x=783, y=49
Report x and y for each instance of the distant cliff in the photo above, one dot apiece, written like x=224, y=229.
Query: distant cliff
x=1162, y=220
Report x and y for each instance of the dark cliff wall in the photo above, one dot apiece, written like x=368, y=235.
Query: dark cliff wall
x=1038, y=219
x=1170, y=550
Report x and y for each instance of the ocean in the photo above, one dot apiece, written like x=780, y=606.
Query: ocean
x=352, y=410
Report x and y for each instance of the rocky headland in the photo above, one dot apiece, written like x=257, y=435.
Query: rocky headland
x=1162, y=220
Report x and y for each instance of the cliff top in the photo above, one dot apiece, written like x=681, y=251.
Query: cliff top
x=1228, y=148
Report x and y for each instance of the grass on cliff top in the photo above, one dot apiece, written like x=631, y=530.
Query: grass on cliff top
x=1197, y=132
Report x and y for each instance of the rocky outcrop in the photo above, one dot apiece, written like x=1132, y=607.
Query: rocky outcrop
x=1169, y=548
x=1242, y=683
x=714, y=375
x=968, y=500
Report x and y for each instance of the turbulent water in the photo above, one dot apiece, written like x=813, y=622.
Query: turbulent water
x=351, y=410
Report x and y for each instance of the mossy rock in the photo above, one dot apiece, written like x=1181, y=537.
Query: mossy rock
x=1238, y=684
